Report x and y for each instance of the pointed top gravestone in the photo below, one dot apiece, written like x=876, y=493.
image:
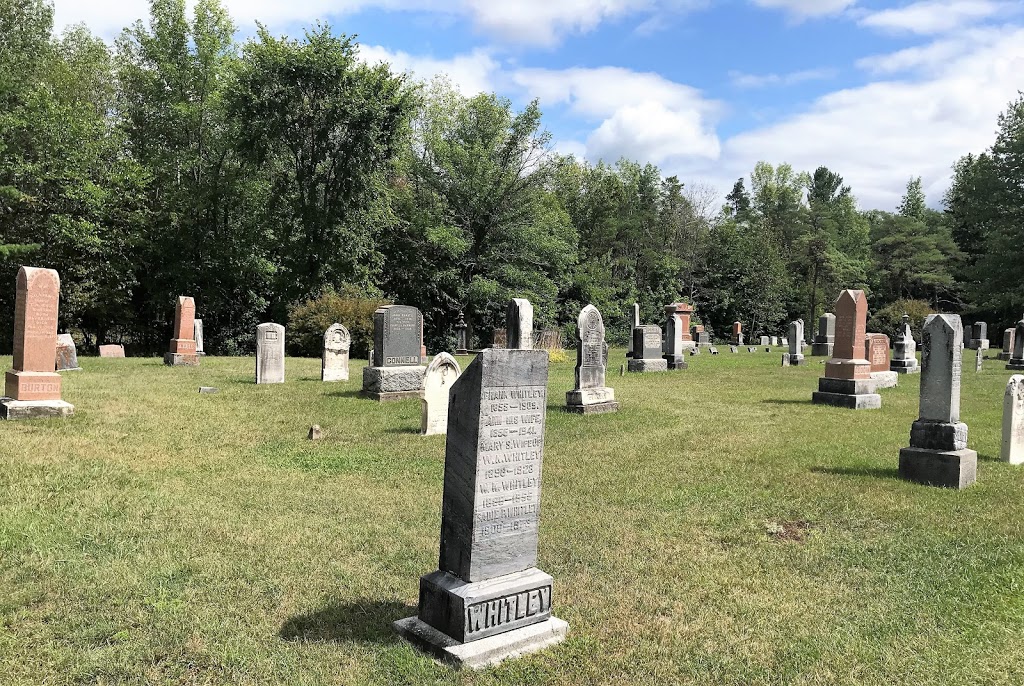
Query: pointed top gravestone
x=941, y=363
x=519, y=324
x=847, y=381
x=183, y=345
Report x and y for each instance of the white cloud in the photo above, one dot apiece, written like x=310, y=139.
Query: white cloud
x=806, y=9
x=471, y=73
x=741, y=80
x=932, y=16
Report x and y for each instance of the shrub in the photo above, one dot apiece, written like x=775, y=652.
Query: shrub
x=350, y=306
x=889, y=319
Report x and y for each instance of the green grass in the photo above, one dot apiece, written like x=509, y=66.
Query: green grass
x=167, y=537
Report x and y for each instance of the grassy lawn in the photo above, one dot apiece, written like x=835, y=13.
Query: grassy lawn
x=719, y=529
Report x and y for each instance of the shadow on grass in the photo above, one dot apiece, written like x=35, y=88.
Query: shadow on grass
x=350, y=393
x=988, y=458
x=405, y=430
x=777, y=401
x=874, y=472
x=368, y=621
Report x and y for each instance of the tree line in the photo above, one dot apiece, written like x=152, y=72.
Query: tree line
x=268, y=176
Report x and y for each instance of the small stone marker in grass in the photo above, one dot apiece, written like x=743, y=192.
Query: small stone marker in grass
x=33, y=387
x=269, y=353
x=315, y=433
x=113, y=350
x=1013, y=421
x=183, y=345
x=938, y=453
x=334, y=360
x=488, y=601
x=441, y=373
x=591, y=395
x=208, y=389
x=67, y=354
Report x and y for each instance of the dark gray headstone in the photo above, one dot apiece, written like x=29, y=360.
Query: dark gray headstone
x=519, y=324
x=647, y=342
x=397, y=336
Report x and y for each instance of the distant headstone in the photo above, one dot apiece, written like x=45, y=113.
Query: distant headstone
x=487, y=585
x=208, y=389
x=1013, y=421
x=938, y=453
x=677, y=335
x=876, y=351
x=713, y=350
x=904, y=355
x=334, y=360
x=269, y=353
x=734, y=349
x=751, y=350
x=826, y=336
x=396, y=372
x=700, y=335
x=33, y=387
x=461, y=346
x=647, y=346
x=591, y=394
x=979, y=337
x=795, y=343
x=441, y=373
x=737, y=333
x=114, y=350
x=765, y=341
x=1007, y=351
x=775, y=341
x=785, y=359
x=1016, y=362
x=847, y=381
x=519, y=324
x=183, y=345
x=315, y=433
x=634, y=321
x=67, y=354
x=694, y=351
x=198, y=328
x=499, y=338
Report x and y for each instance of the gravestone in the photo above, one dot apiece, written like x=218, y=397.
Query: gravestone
x=737, y=333
x=591, y=395
x=198, y=328
x=113, y=350
x=785, y=359
x=488, y=600
x=713, y=350
x=784, y=342
x=876, y=351
x=938, y=453
x=1007, y=351
x=677, y=335
x=1013, y=421
x=32, y=386
x=700, y=335
x=269, y=353
x=634, y=322
x=826, y=336
x=67, y=354
x=847, y=381
x=904, y=355
x=334, y=360
x=441, y=373
x=765, y=341
x=979, y=337
x=396, y=372
x=1016, y=362
x=647, y=345
x=734, y=349
x=183, y=345
x=499, y=338
x=461, y=345
x=978, y=359
x=795, y=342
x=519, y=324
x=751, y=350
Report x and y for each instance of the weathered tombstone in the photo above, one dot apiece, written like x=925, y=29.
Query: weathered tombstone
x=591, y=395
x=1007, y=352
x=795, y=342
x=647, y=346
x=442, y=372
x=677, y=335
x=734, y=349
x=198, y=328
x=499, y=339
x=847, y=381
x=183, y=345
x=737, y=333
x=785, y=359
x=979, y=337
x=519, y=324
x=876, y=351
x=113, y=350
x=826, y=336
x=700, y=335
x=32, y=386
x=751, y=350
x=938, y=453
x=775, y=341
x=904, y=355
x=488, y=601
x=978, y=359
x=315, y=433
x=1016, y=362
x=334, y=361
x=396, y=372
x=713, y=350
x=461, y=345
x=633, y=323
x=1013, y=421
x=269, y=353
x=765, y=341
x=67, y=354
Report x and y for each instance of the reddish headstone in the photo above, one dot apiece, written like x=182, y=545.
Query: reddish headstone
x=183, y=345
x=35, y=336
x=876, y=350
x=682, y=312
x=111, y=351
x=848, y=361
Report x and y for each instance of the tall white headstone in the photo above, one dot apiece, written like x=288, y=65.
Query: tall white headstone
x=269, y=353
x=1013, y=421
x=441, y=373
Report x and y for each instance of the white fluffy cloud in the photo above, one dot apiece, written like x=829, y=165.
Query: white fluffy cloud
x=932, y=16
x=470, y=72
x=805, y=9
x=741, y=80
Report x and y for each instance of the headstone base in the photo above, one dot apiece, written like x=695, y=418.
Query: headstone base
x=590, y=396
x=905, y=366
x=11, y=409
x=885, y=379
x=948, y=469
x=181, y=360
x=640, y=365
x=461, y=351
x=597, y=408
x=676, y=362
x=796, y=360
x=329, y=375
x=853, y=394
x=1005, y=357
x=821, y=350
x=1015, y=364
x=392, y=383
x=485, y=652
x=975, y=343
x=70, y=369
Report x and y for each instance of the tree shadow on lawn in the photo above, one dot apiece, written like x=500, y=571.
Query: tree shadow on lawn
x=368, y=621
x=874, y=472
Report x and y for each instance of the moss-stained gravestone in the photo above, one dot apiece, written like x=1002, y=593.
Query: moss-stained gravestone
x=488, y=601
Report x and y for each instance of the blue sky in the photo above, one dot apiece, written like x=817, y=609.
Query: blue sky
x=879, y=91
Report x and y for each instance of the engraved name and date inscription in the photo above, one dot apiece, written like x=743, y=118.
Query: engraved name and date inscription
x=507, y=609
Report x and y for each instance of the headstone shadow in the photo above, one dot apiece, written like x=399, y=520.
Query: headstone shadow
x=349, y=393
x=779, y=401
x=873, y=472
x=367, y=621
